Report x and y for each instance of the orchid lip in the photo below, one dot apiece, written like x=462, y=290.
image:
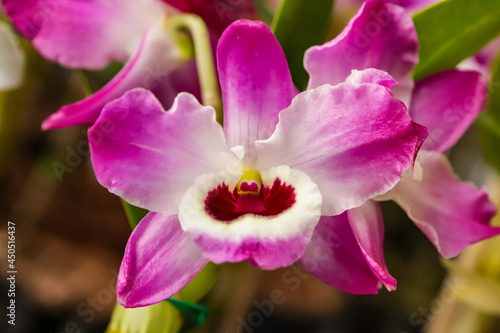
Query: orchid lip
x=226, y=206
x=214, y=206
x=231, y=227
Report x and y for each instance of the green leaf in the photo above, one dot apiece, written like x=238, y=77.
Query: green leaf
x=453, y=30
x=196, y=313
x=494, y=91
x=134, y=214
x=162, y=317
x=299, y=25
x=490, y=139
x=489, y=122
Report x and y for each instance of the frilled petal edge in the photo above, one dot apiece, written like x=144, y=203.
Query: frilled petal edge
x=354, y=141
x=381, y=36
x=150, y=157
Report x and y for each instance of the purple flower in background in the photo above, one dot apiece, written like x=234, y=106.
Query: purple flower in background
x=264, y=189
x=450, y=213
x=90, y=34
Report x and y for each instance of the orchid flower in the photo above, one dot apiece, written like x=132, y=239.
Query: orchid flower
x=11, y=59
x=91, y=34
x=381, y=36
x=264, y=189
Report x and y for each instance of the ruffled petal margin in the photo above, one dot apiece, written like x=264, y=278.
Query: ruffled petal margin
x=380, y=36
x=353, y=141
x=150, y=157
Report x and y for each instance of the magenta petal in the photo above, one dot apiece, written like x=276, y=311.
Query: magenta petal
x=368, y=227
x=262, y=253
x=447, y=103
x=255, y=81
x=450, y=213
x=380, y=36
x=84, y=34
x=151, y=157
x=334, y=257
x=353, y=141
x=149, y=68
x=160, y=259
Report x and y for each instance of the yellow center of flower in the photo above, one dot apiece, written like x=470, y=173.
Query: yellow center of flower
x=250, y=182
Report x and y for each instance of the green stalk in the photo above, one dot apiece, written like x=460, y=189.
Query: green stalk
x=205, y=64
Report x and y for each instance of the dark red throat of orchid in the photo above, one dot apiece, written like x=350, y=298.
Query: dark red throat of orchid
x=227, y=206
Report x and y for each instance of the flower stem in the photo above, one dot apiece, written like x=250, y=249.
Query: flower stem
x=205, y=64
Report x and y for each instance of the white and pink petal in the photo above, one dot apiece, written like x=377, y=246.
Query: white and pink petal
x=150, y=157
x=160, y=259
x=452, y=214
x=371, y=75
x=353, y=141
x=84, y=34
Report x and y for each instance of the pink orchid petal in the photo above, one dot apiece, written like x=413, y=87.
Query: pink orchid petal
x=353, y=141
x=380, y=36
x=150, y=157
x=262, y=253
x=255, y=81
x=151, y=68
x=84, y=34
x=450, y=213
x=217, y=14
x=371, y=75
x=447, y=103
x=334, y=257
x=368, y=227
x=11, y=59
x=160, y=259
